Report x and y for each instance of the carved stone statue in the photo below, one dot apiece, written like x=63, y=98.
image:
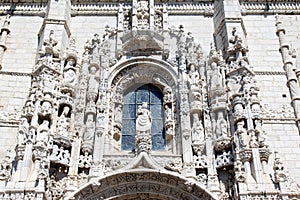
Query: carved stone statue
x=23, y=131
x=168, y=97
x=93, y=83
x=168, y=113
x=63, y=123
x=216, y=77
x=118, y=114
x=221, y=126
x=45, y=108
x=143, y=121
x=194, y=78
x=261, y=134
x=90, y=128
x=69, y=74
x=43, y=131
x=198, y=132
x=243, y=137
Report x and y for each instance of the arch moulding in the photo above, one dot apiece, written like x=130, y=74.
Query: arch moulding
x=143, y=184
x=142, y=70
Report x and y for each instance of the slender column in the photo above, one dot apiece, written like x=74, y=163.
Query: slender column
x=289, y=67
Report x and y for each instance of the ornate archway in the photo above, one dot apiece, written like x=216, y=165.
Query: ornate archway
x=143, y=69
x=143, y=184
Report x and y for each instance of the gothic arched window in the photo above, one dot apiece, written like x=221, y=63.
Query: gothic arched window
x=153, y=96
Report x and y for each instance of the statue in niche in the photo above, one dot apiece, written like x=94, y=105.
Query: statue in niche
x=90, y=129
x=194, y=77
x=168, y=97
x=261, y=134
x=69, y=74
x=168, y=113
x=46, y=108
x=246, y=82
x=48, y=83
x=63, y=123
x=93, y=83
x=216, y=77
x=144, y=119
x=221, y=126
x=100, y=118
x=143, y=15
x=23, y=131
x=118, y=114
x=198, y=132
x=243, y=137
x=43, y=131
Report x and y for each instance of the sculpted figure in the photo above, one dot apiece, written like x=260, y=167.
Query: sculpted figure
x=198, y=132
x=216, y=77
x=46, y=107
x=90, y=128
x=23, y=131
x=43, y=131
x=143, y=121
x=168, y=97
x=118, y=114
x=221, y=126
x=261, y=134
x=168, y=113
x=63, y=123
x=243, y=136
x=194, y=77
x=69, y=75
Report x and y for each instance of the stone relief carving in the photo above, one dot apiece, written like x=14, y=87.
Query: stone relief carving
x=211, y=110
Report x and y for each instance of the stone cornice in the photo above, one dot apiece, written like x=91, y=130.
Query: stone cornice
x=270, y=8
x=14, y=73
x=190, y=8
x=23, y=9
x=270, y=73
x=173, y=8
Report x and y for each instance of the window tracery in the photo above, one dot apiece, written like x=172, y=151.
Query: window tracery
x=132, y=100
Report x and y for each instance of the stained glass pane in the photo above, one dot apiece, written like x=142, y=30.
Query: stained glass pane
x=156, y=97
x=142, y=96
x=129, y=98
x=158, y=142
x=157, y=126
x=129, y=111
x=127, y=142
x=156, y=111
x=128, y=127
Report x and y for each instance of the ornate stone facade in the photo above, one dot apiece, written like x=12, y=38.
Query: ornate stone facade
x=148, y=105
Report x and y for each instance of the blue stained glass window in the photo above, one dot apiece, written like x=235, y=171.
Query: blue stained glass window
x=152, y=95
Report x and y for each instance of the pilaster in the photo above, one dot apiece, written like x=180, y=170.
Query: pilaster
x=58, y=19
x=227, y=15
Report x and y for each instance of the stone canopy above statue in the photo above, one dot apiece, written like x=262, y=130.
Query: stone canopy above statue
x=142, y=42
